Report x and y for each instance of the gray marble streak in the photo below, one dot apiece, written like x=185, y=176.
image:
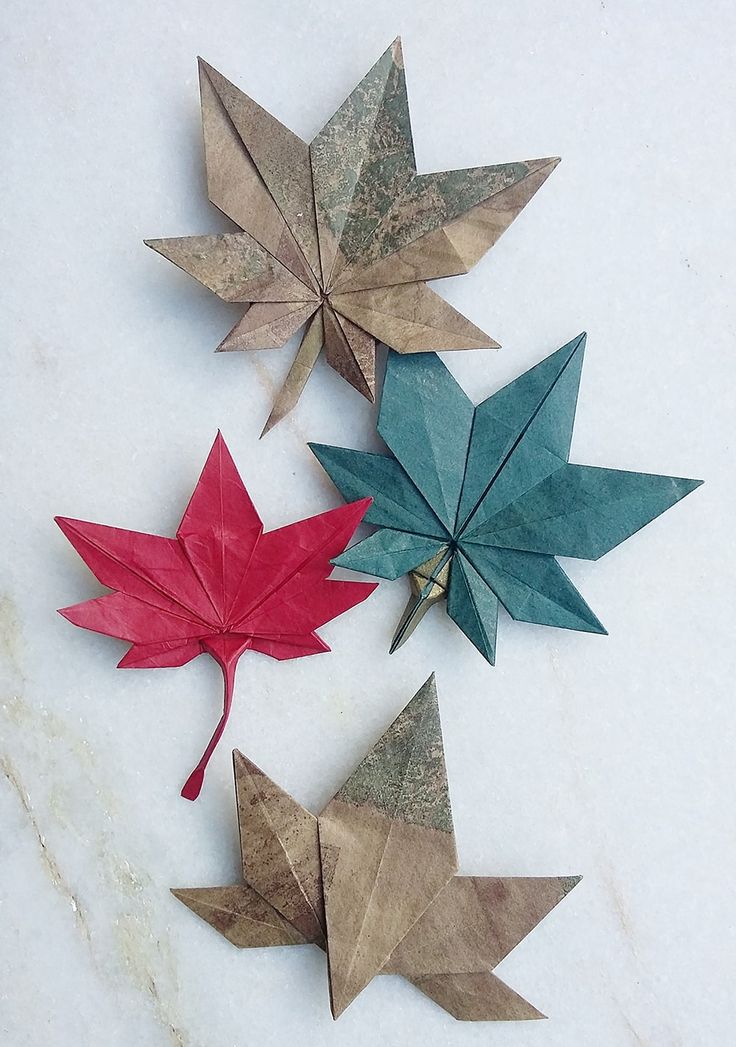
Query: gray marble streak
x=114, y=921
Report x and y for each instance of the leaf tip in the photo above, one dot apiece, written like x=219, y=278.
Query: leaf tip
x=568, y=882
x=320, y=451
x=270, y=422
x=396, y=643
x=686, y=486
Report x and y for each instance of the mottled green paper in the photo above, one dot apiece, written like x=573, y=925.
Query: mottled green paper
x=489, y=491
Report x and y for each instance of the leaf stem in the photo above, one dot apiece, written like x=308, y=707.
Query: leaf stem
x=426, y=589
x=193, y=784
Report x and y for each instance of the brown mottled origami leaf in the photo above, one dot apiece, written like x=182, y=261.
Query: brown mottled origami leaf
x=267, y=325
x=361, y=160
x=467, y=930
x=443, y=223
x=299, y=372
x=392, y=815
x=345, y=222
x=280, y=849
x=241, y=915
x=377, y=872
x=351, y=352
x=280, y=157
x=235, y=267
x=477, y=997
x=234, y=183
x=411, y=318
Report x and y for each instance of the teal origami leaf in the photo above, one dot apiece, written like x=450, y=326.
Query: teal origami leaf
x=581, y=511
x=473, y=606
x=396, y=501
x=389, y=554
x=430, y=445
x=533, y=588
x=477, y=502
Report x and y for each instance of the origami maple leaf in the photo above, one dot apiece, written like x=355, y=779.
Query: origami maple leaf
x=477, y=502
x=221, y=586
x=373, y=880
x=342, y=234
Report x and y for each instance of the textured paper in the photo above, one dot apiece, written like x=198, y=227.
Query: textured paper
x=477, y=502
x=344, y=230
x=221, y=586
x=374, y=879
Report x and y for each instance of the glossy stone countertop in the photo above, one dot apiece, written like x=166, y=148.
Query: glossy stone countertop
x=608, y=756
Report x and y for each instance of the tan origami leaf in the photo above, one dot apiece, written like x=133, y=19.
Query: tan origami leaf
x=391, y=815
x=280, y=157
x=377, y=872
x=477, y=997
x=235, y=267
x=280, y=850
x=299, y=372
x=468, y=929
x=348, y=225
x=456, y=244
x=352, y=350
x=267, y=325
x=236, y=187
x=241, y=915
x=362, y=159
x=411, y=318
x=443, y=223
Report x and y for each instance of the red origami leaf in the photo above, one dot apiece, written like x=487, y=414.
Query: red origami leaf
x=221, y=586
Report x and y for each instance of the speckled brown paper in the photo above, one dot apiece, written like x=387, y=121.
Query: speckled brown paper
x=344, y=229
x=374, y=879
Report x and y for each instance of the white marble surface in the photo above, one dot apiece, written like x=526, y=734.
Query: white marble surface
x=612, y=757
